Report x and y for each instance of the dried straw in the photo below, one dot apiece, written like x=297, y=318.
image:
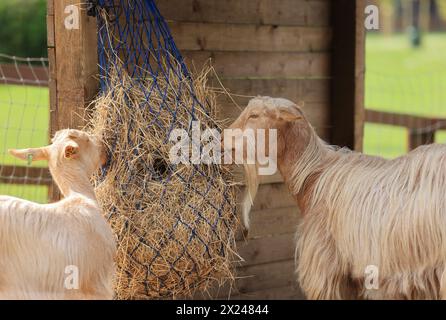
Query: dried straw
x=175, y=230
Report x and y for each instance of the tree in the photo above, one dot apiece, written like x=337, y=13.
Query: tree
x=23, y=28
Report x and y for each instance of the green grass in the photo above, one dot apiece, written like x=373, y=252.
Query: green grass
x=24, y=122
x=403, y=80
x=30, y=192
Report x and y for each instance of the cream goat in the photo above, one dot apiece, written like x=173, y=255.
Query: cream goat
x=44, y=247
x=359, y=212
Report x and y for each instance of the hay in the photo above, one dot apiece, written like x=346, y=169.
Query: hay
x=175, y=229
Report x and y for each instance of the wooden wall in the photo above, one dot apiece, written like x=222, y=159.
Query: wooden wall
x=263, y=47
x=280, y=48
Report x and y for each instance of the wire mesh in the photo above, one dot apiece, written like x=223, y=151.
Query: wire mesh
x=24, y=122
x=410, y=111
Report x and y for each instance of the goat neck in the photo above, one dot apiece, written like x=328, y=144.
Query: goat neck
x=300, y=155
x=73, y=182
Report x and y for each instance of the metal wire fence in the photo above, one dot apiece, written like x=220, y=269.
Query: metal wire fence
x=403, y=112
x=24, y=122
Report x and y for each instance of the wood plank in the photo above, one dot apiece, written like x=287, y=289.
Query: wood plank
x=359, y=74
x=273, y=196
x=262, y=64
x=51, y=65
x=255, y=279
x=50, y=30
x=25, y=175
x=348, y=68
x=271, y=222
x=24, y=74
x=261, y=277
x=53, y=190
x=292, y=292
x=267, y=249
x=275, y=12
x=239, y=175
x=49, y=7
x=233, y=37
x=300, y=91
x=275, y=178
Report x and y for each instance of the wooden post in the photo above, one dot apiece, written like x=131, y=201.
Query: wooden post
x=421, y=131
x=73, y=63
x=419, y=137
x=425, y=16
x=347, y=85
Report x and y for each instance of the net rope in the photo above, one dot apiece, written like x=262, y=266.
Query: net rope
x=136, y=32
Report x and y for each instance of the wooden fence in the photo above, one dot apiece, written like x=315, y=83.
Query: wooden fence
x=421, y=130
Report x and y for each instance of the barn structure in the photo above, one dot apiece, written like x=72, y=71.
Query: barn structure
x=309, y=51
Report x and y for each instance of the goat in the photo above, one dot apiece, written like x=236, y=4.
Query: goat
x=359, y=213
x=44, y=247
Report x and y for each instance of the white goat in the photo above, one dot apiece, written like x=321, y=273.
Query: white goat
x=44, y=247
x=359, y=213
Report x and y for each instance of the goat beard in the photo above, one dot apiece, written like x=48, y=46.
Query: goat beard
x=252, y=185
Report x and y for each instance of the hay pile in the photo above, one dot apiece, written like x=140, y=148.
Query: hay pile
x=175, y=225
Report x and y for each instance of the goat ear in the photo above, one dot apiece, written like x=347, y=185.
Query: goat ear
x=33, y=154
x=288, y=116
x=71, y=150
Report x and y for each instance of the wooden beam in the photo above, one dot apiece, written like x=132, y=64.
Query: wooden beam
x=25, y=175
x=421, y=130
x=347, y=86
x=419, y=137
x=404, y=120
x=73, y=64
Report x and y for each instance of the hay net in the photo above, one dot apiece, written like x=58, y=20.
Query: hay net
x=174, y=223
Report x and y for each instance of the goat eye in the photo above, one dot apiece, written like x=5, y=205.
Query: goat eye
x=253, y=116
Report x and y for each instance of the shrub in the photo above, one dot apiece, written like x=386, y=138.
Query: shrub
x=23, y=28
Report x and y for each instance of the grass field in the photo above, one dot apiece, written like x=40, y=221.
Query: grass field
x=403, y=80
x=398, y=79
x=24, y=121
